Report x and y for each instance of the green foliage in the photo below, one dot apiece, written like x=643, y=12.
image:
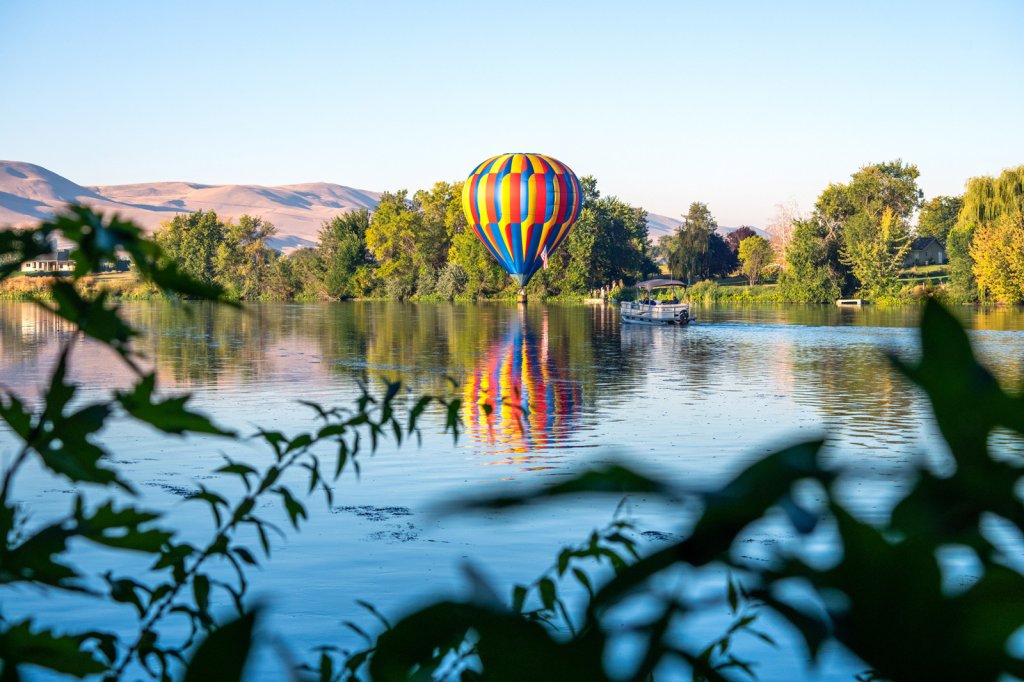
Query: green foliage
x=343, y=254
x=877, y=256
x=608, y=243
x=451, y=282
x=394, y=234
x=755, y=254
x=234, y=256
x=695, y=251
x=854, y=233
x=809, y=276
x=938, y=216
x=244, y=260
x=998, y=254
x=984, y=202
x=962, y=284
x=192, y=240
x=224, y=652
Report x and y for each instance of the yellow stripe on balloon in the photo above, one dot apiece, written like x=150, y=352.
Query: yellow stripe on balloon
x=467, y=206
x=481, y=200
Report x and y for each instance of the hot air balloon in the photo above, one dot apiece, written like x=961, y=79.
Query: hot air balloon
x=521, y=207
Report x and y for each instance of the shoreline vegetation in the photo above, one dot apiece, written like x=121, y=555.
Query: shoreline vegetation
x=855, y=243
x=919, y=284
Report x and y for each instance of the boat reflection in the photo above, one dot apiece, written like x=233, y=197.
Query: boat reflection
x=521, y=398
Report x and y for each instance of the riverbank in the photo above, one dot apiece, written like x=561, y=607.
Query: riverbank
x=916, y=284
x=119, y=285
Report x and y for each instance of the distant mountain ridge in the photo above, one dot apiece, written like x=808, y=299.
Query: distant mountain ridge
x=30, y=193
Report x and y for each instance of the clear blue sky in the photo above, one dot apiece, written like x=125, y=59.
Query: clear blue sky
x=742, y=105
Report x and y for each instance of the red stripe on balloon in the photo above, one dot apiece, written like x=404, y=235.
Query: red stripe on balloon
x=539, y=197
x=492, y=211
x=563, y=203
x=511, y=244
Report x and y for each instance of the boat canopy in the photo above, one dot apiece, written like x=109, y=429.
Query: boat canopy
x=659, y=283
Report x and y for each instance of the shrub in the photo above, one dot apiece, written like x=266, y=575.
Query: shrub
x=451, y=282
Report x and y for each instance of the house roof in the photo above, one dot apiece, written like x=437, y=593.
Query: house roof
x=921, y=243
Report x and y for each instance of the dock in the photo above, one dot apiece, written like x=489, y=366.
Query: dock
x=850, y=301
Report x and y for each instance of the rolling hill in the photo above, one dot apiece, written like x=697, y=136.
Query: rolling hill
x=30, y=193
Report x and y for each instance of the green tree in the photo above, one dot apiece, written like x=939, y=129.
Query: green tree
x=303, y=269
x=609, y=242
x=343, y=253
x=243, y=260
x=690, y=249
x=442, y=217
x=809, y=276
x=755, y=253
x=938, y=216
x=851, y=214
x=483, y=274
x=985, y=200
x=392, y=237
x=191, y=240
x=877, y=257
x=998, y=254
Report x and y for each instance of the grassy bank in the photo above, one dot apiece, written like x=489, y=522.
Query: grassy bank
x=915, y=285
x=119, y=285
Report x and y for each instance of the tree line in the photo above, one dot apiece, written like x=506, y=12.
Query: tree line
x=855, y=241
x=411, y=246
x=857, y=238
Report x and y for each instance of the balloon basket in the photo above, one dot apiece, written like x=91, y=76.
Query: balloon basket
x=521, y=298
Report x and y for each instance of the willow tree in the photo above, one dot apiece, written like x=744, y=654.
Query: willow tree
x=998, y=254
x=985, y=200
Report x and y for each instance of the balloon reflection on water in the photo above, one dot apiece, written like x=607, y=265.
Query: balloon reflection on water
x=521, y=397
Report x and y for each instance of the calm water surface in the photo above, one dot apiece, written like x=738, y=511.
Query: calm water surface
x=566, y=386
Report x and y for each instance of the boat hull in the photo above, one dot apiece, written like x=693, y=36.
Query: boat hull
x=655, y=315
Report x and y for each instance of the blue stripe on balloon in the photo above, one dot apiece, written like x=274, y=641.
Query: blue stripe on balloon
x=517, y=247
x=491, y=249
x=533, y=250
x=549, y=209
x=505, y=259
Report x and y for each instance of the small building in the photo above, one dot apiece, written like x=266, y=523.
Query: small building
x=925, y=251
x=56, y=261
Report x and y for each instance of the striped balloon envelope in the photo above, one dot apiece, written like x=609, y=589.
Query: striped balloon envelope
x=521, y=207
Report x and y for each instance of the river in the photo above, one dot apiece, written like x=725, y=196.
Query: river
x=691, y=404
